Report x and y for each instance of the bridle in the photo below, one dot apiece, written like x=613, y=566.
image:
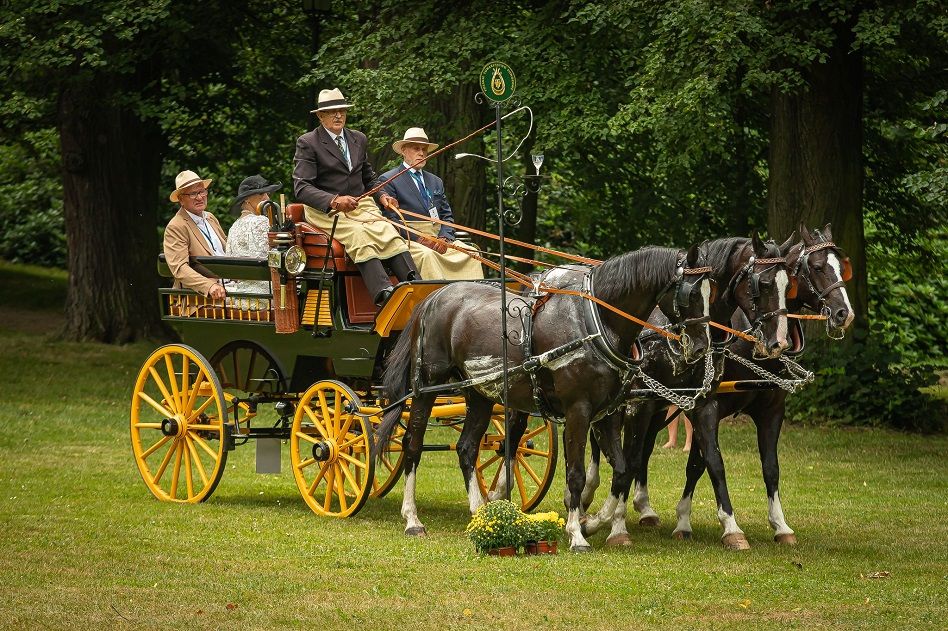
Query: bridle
x=802, y=268
x=752, y=272
x=686, y=282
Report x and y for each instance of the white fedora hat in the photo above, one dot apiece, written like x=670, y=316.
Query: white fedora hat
x=184, y=180
x=330, y=100
x=414, y=135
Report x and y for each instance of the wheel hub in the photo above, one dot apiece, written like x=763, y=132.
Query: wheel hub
x=171, y=427
x=324, y=450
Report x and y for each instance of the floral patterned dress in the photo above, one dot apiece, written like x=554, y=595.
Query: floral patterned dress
x=248, y=237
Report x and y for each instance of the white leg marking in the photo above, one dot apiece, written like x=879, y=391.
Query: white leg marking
x=575, y=532
x=838, y=268
x=595, y=521
x=592, y=483
x=775, y=516
x=618, y=520
x=728, y=523
x=683, y=511
x=409, y=510
x=640, y=501
x=474, y=498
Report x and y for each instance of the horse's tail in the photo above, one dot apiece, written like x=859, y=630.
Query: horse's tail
x=396, y=379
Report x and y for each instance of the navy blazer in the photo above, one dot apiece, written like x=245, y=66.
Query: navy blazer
x=320, y=172
x=406, y=192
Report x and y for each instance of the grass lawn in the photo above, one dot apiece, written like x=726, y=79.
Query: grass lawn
x=84, y=544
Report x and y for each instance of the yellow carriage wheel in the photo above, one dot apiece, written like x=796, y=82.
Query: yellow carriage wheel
x=389, y=467
x=534, y=462
x=330, y=450
x=178, y=425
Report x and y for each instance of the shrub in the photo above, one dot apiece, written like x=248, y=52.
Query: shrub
x=497, y=525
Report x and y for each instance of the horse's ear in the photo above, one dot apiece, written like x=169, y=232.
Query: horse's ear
x=759, y=248
x=786, y=245
x=692, y=258
x=828, y=232
x=805, y=234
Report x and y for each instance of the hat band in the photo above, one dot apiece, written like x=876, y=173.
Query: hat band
x=423, y=141
x=189, y=183
x=333, y=103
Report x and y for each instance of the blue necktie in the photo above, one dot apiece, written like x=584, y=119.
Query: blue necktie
x=205, y=230
x=425, y=197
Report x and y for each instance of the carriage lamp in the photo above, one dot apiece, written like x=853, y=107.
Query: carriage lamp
x=294, y=260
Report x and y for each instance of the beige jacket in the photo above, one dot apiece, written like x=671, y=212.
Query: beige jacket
x=183, y=240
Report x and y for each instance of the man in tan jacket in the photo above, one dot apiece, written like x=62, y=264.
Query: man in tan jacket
x=193, y=232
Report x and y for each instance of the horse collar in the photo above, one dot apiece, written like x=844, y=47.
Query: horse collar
x=600, y=340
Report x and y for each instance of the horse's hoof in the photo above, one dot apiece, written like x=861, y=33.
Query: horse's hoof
x=619, y=540
x=586, y=548
x=650, y=521
x=735, y=541
x=682, y=535
x=416, y=531
x=786, y=539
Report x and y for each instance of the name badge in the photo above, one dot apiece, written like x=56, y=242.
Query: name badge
x=433, y=212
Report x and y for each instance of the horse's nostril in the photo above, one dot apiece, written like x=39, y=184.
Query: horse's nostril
x=840, y=314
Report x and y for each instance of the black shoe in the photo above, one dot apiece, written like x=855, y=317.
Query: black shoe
x=383, y=295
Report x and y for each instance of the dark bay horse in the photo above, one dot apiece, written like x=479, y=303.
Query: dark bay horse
x=755, y=281
x=819, y=269
x=580, y=351
x=822, y=271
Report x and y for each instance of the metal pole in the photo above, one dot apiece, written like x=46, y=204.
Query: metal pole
x=508, y=448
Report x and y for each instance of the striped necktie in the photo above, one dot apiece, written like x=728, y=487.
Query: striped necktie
x=342, y=150
x=425, y=197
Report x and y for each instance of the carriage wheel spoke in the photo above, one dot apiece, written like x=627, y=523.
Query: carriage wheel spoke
x=253, y=360
x=317, y=479
x=187, y=471
x=354, y=461
x=164, y=463
x=352, y=441
x=330, y=485
x=155, y=447
x=488, y=463
x=534, y=433
x=520, y=485
x=316, y=422
x=196, y=413
x=534, y=452
x=324, y=411
x=174, y=381
x=147, y=425
x=307, y=437
x=533, y=474
x=173, y=401
x=157, y=406
x=196, y=459
x=176, y=470
x=499, y=424
x=195, y=388
x=493, y=483
x=341, y=489
x=185, y=375
x=203, y=445
x=344, y=430
x=305, y=463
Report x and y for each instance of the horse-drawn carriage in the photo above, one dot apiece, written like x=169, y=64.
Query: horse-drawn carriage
x=318, y=380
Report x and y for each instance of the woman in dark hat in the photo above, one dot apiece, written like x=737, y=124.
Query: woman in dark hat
x=248, y=236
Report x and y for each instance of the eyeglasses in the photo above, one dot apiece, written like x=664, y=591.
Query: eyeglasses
x=335, y=113
x=197, y=194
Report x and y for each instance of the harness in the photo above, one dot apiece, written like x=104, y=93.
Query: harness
x=753, y=284
x=803, y=268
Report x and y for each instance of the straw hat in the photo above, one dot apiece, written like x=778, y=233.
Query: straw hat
x=330, y=100
x=414, y=135
x=184, y=180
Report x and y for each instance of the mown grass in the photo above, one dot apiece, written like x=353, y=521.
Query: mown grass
x=84, y=545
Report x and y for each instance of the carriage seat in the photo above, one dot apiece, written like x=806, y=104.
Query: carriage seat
x=315, y=242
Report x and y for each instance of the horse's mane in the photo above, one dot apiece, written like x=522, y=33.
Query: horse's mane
x=717, y=253
x=647, y=267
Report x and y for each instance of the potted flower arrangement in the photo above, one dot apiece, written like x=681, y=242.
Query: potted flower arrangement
x=543, y=530
x=498, y=528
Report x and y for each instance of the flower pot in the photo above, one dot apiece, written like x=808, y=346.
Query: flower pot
x=506, y=551
x=546, y=547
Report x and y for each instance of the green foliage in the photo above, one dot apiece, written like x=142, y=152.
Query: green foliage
x=868, y=384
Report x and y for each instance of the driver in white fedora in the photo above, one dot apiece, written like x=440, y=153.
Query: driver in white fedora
x=422, y=192
x=193, y=232
x=330, y=171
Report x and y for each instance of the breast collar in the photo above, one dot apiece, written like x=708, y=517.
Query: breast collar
x=601, y=342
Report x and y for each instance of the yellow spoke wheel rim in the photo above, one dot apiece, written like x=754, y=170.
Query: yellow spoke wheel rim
x=178, y=418
x=330, y=450
x=534, y=461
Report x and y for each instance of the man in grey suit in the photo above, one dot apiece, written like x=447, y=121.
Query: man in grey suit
x=330, y=171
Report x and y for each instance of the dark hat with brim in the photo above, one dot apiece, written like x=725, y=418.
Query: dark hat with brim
x=253, y=185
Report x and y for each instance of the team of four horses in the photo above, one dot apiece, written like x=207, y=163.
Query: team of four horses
x=718, y=313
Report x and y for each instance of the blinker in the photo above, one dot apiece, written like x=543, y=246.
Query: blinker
x=792, y=287
x=847, y=270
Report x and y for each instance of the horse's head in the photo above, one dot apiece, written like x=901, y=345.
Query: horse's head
x=760, y=287
x=686, y=304
x=822, y=271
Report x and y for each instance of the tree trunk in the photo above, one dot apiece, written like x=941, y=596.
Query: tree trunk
x=111, y=164
x=816, y=176
x=465, y=181
x=526, y=231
